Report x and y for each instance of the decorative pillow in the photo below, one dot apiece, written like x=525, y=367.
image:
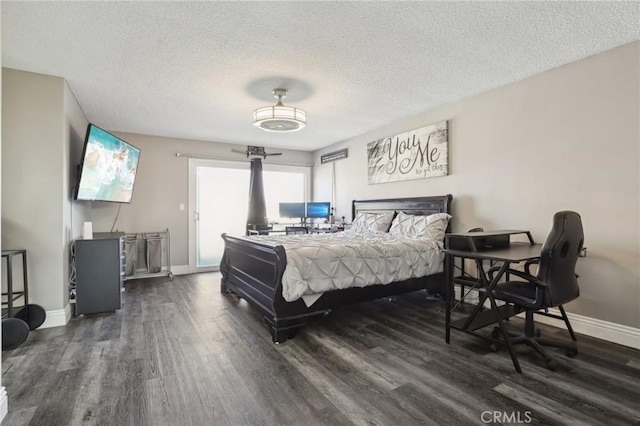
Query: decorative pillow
x=432, y=226
x=371, y=222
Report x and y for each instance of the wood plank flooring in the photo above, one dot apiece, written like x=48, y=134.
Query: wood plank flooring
x=180, y=353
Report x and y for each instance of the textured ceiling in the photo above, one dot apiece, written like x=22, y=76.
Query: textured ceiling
x=197, y=70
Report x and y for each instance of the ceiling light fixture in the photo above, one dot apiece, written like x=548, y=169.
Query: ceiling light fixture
x=279, y=118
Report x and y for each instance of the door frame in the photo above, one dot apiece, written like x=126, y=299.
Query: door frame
x=194, y=163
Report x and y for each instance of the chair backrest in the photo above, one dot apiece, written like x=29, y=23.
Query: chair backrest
x=290, y=230
x=558, y=258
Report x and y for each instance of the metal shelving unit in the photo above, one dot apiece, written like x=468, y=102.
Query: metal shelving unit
x=148, y=254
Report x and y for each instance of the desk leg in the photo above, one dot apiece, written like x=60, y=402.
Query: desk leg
x=488, y=289
x=506, y=336
x=494, y=308
x=448, y=266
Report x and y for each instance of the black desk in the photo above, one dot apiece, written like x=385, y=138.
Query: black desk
x=503, y=252
x=310, y=230
x=265, y=231
x=320, y=230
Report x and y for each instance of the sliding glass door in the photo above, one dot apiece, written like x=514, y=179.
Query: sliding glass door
x=219, y=198
x=219, y=205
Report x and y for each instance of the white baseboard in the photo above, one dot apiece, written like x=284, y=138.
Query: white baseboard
x=4, y=403
x=57, y=318
x=605, y=330
x=593, y=327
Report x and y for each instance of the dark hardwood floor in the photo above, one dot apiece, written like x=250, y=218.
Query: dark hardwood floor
x=180, y=353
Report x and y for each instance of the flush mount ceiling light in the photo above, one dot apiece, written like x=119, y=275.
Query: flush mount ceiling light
x=279, y=118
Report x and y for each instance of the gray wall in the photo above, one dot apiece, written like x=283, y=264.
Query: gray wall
x=162, y=185
x=74, y=213
x=565, y=139
x=32, y=179
x=42, y=127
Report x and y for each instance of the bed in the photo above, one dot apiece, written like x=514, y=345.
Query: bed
x=253, y=268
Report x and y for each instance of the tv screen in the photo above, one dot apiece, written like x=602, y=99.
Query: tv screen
x=318, y=210
x=108, y=168
x=292, y=210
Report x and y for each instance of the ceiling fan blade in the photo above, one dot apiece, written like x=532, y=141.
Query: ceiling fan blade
x=273, y=153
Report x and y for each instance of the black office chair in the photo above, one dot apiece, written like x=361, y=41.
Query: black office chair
x=291, y=230
x=554, y=284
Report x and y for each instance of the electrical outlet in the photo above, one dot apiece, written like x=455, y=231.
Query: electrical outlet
x=181, y=207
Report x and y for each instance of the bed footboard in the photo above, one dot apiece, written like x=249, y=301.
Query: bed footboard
x=253, y=271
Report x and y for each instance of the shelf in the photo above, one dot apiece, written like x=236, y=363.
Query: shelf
x=5, y=311
x=485, y=318
x=464, y=280
x=16, y=295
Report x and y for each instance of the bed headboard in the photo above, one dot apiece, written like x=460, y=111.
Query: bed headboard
x=418, y=205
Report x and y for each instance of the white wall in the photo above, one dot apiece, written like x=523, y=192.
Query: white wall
x=162, y=185
x=565, y=139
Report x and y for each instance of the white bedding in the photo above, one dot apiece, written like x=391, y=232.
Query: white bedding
x=321, y=262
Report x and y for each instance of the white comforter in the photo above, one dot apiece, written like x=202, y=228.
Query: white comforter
x=320, y=262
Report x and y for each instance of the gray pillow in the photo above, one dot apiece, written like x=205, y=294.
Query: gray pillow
x=432, y=226
x=372, y=222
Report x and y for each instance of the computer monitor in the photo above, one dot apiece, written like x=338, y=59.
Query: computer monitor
x=319, y=210
x=292, y=210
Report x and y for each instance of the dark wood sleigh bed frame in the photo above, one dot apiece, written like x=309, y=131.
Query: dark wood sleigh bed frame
x=253, y=271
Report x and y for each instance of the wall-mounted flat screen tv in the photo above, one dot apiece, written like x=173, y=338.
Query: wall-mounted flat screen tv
x=319, y=210
x=108, y=169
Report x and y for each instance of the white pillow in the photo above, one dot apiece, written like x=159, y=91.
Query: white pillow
x=372, y=222
x=432, y=226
